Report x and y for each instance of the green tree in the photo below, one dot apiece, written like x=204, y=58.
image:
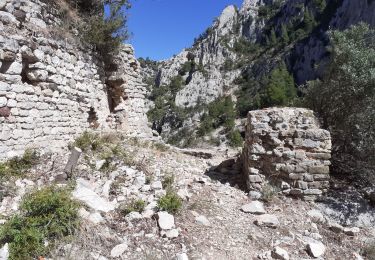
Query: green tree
x=106, y=32
x=309, y=21
x=345, y=98
x=280, y=88
x=284, y=34
x=273, y=38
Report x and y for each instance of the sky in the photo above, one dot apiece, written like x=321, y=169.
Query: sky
x=162, y=28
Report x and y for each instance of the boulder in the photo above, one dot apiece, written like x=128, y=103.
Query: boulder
x=165, y=220
x=267, y=220
x=254, y=207
x=315, y=248
x=280, y=253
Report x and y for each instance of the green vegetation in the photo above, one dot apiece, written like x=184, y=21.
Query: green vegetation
x=18, y=166
x=235, y=138
x=268, y=11
x=105, y=32
x=220, y=113
x=105, y=147
x=133, y=206
x=345, y=99
x=45, y=215
x=276, y=89
x=170, y=202
x=280, y=88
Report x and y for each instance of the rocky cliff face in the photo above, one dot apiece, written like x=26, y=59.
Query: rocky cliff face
x=52, y=87
x=240, y=44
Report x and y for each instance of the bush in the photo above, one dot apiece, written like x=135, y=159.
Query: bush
x=134, y=206
x=235, y=138
x=88, y=141
x=45, y=215
x=18, y=166
x=345, y=99
x=170, y=202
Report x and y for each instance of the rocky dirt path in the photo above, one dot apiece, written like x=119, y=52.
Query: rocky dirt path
x=218, y=220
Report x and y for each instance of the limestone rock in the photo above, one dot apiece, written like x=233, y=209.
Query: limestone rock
x=315, y=248
x=4, y=252
x=91, y=199
x=202, y=220
x=267, y=220
x=254, y=207
x=119, y=250
x=165, y=220
x=316, y=216
x=182, y=256
x=280, y=253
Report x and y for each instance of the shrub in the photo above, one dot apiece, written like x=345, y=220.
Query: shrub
x=88, y=141
x=235, y=138
x=345, y=99
x=18, y=166
x=45, y=215
x=170, y=202
x=134, y=206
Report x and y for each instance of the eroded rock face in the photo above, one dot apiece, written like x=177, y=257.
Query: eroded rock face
x=287, y=146
x=52, y=87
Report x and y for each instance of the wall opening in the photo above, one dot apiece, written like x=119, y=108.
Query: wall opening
x=93, y=119
x=24, y=77
x=115, y=94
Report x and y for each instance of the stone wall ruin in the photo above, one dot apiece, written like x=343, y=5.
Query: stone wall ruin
x=53, y=87
x=287, y=147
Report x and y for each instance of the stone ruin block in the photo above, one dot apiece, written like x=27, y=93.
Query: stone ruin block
x=287, y=147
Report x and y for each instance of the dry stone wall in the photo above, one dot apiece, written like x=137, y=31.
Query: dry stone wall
x=287, y=147
x=52, y=87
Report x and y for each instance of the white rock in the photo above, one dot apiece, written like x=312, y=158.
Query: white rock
x=351, y=231
x=267, y=220
x=173, y=233
x=202, y=220
x=133, y=215
x=184, y=194
x=279, y=253
x=335, y=227
x=3, y=101
x=165, y=220
x=315, y=248
x=4, y=252
x=182, y=256
x=95, y=218
x=99, y=164
x=139, y=181
x=254, y=195
x=91, y=199
x=148, y=213
x=316, y=216
x=254, y=207
x=119, y=250
x=156, y=185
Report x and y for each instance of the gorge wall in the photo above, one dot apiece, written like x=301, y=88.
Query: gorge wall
x=53, y=87
x=237, y=53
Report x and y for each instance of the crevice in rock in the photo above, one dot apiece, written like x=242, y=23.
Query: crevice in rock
x=93, y=119
x=25, y=68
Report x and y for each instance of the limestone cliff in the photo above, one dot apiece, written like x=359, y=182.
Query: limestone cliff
x=53, y=87
x=248, y=43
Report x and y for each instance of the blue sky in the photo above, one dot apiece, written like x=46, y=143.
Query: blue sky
x=162, y=28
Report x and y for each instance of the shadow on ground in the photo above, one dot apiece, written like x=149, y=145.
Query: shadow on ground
x=228, y=171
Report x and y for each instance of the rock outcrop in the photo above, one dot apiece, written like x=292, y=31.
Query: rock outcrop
x=287, y=146
x=237, y=46
x=52, y=87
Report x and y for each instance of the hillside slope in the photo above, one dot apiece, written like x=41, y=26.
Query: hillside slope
x=234, y=55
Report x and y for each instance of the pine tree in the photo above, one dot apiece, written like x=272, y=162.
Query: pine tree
x=284, y=34
x=273, y=38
